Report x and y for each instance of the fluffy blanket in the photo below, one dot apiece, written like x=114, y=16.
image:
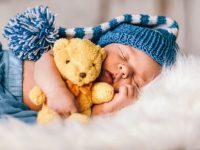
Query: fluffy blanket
x=166, y=117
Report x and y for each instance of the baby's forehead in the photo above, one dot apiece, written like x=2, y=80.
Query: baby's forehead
x=122, y=47
x=114, y=46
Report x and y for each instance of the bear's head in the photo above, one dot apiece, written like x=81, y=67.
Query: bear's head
x=78, y=60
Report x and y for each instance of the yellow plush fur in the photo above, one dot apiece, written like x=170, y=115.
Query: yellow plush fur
x=79, y=62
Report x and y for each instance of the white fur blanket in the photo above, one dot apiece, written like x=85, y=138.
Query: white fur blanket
x=166, y=117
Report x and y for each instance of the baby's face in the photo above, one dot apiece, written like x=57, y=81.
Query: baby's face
x=127, y=65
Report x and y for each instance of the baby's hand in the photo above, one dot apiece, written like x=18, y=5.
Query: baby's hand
x=127, y=94
x=48, y=78
x=62, y=103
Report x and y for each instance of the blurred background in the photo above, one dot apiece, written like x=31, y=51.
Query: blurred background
x=71, y=13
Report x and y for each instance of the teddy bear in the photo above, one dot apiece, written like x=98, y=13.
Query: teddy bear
x=79, y=62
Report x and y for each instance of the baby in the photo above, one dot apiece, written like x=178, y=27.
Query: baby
x=135, y=56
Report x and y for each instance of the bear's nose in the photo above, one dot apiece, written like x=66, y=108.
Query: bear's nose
x=82, y=74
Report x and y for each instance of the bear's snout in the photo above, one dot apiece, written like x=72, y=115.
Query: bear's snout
x=82, y=74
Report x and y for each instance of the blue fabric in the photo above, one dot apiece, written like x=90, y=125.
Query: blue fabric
x=11, y=104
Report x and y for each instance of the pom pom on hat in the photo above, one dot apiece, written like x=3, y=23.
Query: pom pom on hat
x=31, y=33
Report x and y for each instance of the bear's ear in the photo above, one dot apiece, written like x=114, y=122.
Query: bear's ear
x=103, y=54
x=60, y=45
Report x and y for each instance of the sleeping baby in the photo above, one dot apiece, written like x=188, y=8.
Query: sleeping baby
x=136, y=53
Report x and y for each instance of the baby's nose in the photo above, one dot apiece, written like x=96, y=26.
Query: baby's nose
x=123, y=70
x=82, y=75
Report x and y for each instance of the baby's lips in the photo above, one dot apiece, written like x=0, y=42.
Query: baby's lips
x=108, y=77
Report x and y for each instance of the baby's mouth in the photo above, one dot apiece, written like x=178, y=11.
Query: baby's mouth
x=106, y=76
x=109, y=77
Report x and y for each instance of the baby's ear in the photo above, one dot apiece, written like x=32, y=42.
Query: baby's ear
x=60, y=45
x=103, y=54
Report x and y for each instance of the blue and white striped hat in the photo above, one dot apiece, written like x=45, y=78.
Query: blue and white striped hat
x=154, y=35
x=33, y=32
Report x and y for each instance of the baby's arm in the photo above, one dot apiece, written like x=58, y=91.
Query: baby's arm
x=126, y=96
x=48, y=78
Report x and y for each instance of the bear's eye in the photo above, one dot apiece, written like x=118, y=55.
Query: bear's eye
x=93, y=65
x=67, y=61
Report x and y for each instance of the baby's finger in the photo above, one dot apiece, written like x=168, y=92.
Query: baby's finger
x=123, y=90
x=64, y=114
x=67, y=110
x=131, y=90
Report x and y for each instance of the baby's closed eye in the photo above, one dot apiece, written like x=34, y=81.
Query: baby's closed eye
x=121, y=53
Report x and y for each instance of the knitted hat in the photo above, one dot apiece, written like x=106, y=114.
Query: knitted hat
x=155, y=35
